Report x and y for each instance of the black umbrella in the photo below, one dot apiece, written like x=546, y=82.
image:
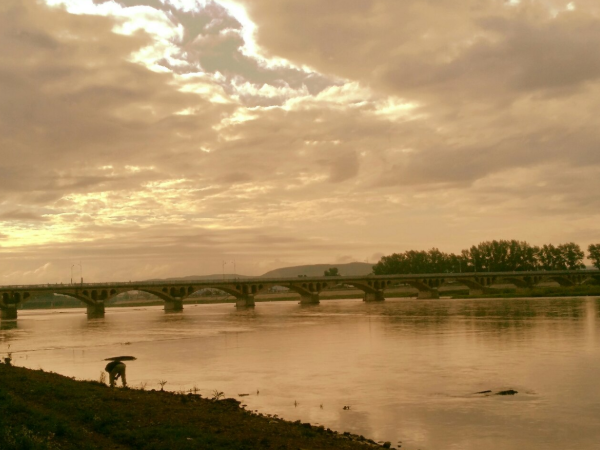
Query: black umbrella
x=121, y=358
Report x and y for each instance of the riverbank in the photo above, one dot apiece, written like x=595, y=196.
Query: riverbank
x=41, y=410
x=538, y=291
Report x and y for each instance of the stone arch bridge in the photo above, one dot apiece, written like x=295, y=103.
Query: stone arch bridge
x=95, y=295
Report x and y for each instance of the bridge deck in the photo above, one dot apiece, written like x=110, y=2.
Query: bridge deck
x=287, y=280
x=173, y=292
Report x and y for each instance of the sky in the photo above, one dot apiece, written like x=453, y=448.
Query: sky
x=162, y=138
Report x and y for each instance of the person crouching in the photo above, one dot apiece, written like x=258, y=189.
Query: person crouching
x=115, y=370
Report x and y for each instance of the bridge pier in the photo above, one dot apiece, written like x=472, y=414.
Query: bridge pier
x=473, y=292
x=95, y=310
x=9, y=313
x=428, y=294
x=246, y=301
x=174, y=305
x=309, y=299
x=376, y=296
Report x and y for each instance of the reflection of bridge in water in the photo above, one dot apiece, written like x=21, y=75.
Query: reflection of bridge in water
x=95, y=295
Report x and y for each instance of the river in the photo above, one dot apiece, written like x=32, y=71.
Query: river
x=409, y=370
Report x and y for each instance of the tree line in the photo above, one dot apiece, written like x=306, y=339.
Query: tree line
x=490, y=256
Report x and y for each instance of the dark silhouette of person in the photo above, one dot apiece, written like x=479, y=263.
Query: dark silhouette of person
x=115, y=370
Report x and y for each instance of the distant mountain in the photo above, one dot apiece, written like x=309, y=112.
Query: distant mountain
x=312, y=270
x=227, y=276
x=317, y=270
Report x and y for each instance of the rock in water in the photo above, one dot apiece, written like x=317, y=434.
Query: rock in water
x=508, y=392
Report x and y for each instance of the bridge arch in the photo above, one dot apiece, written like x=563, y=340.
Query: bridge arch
x=563, y=281
x=8, y=298
x=81, y=298
x=305, y=289
x=373, y=289
x=522, y=282
x=476, y=284
x=227, y=290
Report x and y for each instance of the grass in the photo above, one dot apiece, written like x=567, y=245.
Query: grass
x=41, y=410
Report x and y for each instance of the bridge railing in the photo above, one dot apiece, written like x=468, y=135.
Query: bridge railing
x=341, y=279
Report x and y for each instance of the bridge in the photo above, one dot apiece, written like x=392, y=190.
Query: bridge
x=173, y=293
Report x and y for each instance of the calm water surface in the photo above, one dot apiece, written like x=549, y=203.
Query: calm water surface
x=408, y=369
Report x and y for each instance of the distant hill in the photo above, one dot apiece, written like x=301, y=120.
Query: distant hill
x=227, y=276
x=317, y=270
x=311, y=270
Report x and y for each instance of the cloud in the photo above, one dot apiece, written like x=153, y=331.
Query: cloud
x=498, y=85
x=72, y=106
x=412, y=46
x=21, y=216
x=171, y=135
x=344, y=167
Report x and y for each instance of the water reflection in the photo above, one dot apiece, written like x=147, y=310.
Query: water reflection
x=8, y=325
x=243, y=314
x=173, y=317
x=354, y=420
x=407, y=368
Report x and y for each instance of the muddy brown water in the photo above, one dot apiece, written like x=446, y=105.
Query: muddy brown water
x=409, y=370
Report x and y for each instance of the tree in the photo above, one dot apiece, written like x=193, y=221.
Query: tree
x=457, y=263
x=548, y=257
x=332, y=272
x=499, y=256
x=594, y=255
x=521, y=256
x=572, y=256
x=417, y=261
x=567, y=256
x=488, y=256
x=438, y=262
x=390, y=265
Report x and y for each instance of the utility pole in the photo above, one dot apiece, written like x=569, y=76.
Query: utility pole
x=81, y=272
x=72, y=265
x=224, y=262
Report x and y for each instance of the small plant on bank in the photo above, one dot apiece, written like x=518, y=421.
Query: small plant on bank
x=103, y=377
x=8, y=358
x=217, y=395
x=143, y=385
x=162, y=384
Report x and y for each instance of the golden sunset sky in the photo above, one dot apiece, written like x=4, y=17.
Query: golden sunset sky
x=159, y=138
